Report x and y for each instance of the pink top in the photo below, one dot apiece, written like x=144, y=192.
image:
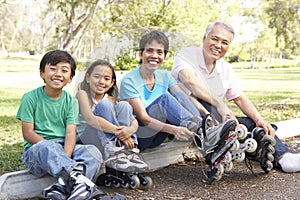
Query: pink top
x=222, y=81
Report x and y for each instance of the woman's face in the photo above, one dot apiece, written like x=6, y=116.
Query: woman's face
x=153, y=55
x=100, y=80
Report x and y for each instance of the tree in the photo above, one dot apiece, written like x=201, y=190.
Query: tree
x=284, y=20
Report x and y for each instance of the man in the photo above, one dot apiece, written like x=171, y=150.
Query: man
x=202, y=73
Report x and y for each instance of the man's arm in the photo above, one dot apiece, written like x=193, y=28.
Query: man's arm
x=198, y=105
x=250, y=111
x=199, y=90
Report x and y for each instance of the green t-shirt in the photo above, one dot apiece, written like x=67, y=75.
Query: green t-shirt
x=49, y=117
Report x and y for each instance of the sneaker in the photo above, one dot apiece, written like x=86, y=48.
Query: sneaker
x=57, y=191
x=83, y=188
x=135, y=158
x=265, y=149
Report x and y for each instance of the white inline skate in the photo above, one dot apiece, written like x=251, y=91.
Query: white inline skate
x=242, y=146
x=124, y=168
x=214, y=142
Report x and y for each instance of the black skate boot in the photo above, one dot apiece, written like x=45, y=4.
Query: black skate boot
x=84, y=189
x=213, y=142
x=265, y=149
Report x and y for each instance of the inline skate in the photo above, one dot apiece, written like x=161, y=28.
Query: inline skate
x=214, y=141
x=125, y=168
x=265, y=149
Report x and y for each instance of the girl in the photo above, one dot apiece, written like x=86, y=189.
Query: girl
x=110, y=119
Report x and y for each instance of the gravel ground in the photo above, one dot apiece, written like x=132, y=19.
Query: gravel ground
x=187, y=181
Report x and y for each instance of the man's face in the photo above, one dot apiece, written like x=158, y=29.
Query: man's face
x=216, y=43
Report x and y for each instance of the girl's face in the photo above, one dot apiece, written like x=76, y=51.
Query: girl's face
x=100, y=81
x=57, y=76
x=153, y=55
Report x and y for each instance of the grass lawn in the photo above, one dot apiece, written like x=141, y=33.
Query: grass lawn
x=275, y=92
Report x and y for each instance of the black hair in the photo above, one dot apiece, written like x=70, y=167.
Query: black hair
x=113, y=91
x=57, y=56
x=158, y=36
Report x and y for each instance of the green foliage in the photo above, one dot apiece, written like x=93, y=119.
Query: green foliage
x=284, y=20
x=126, y=61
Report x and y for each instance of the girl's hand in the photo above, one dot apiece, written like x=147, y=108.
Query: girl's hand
x=122, y=132
x=128, y=143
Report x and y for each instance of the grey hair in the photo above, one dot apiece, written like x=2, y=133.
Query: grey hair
x=215, y=23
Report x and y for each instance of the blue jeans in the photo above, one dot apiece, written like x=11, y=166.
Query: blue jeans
x=174, y=109
x=280, y=147
x=49, y=157
x=120, y=115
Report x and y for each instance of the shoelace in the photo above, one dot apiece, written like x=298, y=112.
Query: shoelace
x=249, y=165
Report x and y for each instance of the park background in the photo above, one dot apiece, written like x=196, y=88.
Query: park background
x=265, y=52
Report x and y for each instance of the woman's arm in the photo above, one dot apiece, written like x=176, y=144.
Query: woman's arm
x=181, y=133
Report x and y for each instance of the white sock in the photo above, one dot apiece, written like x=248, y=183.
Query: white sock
x=290, y=162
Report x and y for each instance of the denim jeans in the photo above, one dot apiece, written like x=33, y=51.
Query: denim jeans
x=174, y=109
x=120, y=115
x=280, y=147
x=49, y=157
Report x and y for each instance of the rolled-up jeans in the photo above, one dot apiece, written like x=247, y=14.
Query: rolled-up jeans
x=174, y=109
x=48, y=157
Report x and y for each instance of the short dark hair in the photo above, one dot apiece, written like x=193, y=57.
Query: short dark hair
x=160, y=37
x=57, y=56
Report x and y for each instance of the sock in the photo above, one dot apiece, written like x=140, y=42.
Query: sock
x=290, y=162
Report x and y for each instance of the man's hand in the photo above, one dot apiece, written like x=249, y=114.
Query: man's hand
x=267, y=127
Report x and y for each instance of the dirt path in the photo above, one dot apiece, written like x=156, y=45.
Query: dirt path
x=187, y=181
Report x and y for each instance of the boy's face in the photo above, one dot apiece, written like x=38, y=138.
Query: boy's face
x=57, y=76
x=153, y=55
x=217, y=42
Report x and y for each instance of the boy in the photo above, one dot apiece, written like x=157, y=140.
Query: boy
x=49, y=116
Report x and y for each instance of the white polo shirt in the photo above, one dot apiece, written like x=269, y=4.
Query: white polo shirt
x=221, y=82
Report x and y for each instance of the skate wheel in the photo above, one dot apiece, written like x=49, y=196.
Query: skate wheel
x=146, y=183
x=251, y=144
x=235, y=146
x=270, y=139
x=220, y=171
x=218, y=178
x=269, y=166
x=116, y=185
x=227, y=158
x=270, y=157
x=107, y=183
x=239, y=156
x=271, y=149
x=135, y=182
x=242, y=131
x=228, y=167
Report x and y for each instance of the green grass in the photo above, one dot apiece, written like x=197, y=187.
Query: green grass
x=275, y=92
